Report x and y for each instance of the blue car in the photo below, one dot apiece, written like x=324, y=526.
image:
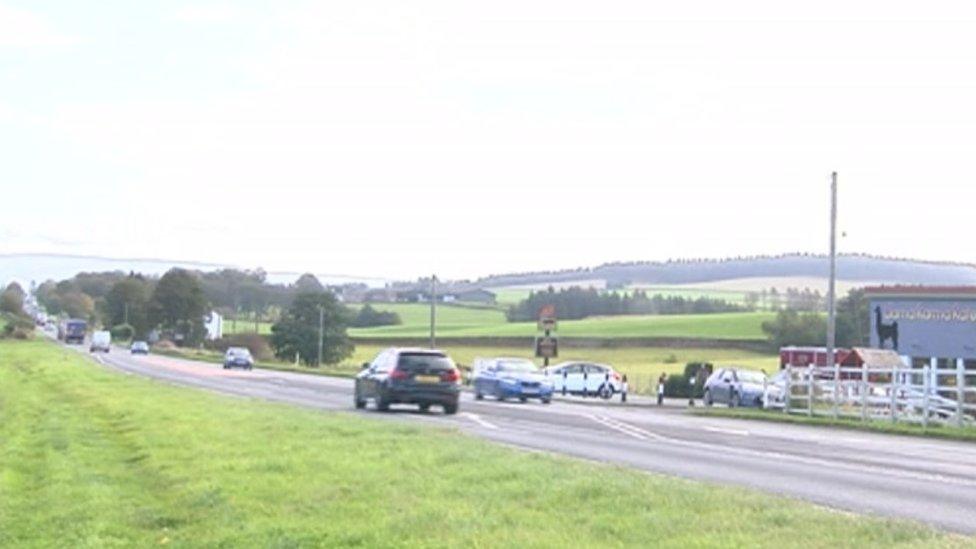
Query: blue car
x=513, y=378
x=735, y=387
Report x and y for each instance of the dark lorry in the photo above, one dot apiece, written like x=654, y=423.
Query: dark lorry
x=73, y=331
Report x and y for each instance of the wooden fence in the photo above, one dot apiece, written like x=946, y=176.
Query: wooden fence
x=917, y=395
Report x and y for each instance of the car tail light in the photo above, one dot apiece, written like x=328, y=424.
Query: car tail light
x=616, y=376
x=452, y=375
x=399, y=375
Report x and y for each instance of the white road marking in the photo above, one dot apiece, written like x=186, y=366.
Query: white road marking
x=725, y=431
x=477, y=419
x=627, y=429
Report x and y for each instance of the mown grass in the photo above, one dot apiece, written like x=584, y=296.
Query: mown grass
x=464, y=321
x=90, y=458
x=489, y=323
x=878, y=426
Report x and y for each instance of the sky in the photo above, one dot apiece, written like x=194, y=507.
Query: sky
x=396, y=139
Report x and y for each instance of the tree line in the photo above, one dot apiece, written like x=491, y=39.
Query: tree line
x=575, y=303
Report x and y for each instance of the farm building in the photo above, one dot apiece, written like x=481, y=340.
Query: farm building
x=926, y=325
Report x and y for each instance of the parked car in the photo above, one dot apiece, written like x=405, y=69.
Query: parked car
x=139, y=348
x=101, y=341
x=238, y=357
x=584, y=378
x=409, y=376
x=735, y=387
x=510, y=378
x=775, y=396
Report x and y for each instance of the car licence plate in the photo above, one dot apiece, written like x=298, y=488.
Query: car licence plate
x=428, y=379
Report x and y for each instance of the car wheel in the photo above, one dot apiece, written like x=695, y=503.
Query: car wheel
x=424, y=407
x=546, y=400
x=499, y=395
x=735, y=401
x=606, y=393
x=451, y=409
x=478, y=395
x=707, y=398
x=360, y=404
x=523, y=399
x=226, y=367
x=382, y=404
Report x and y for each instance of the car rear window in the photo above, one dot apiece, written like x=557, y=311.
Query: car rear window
x=416, y=362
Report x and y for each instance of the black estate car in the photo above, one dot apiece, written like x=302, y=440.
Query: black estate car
x=409, y=376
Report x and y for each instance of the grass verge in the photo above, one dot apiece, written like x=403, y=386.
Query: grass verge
x=967, y=434
x=93, y=458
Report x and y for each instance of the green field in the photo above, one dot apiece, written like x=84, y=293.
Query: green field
x=455, y=322
x=91, y=458
x=462, y=321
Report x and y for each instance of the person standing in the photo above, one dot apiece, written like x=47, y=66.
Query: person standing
x=660, y=388
x=623, y=388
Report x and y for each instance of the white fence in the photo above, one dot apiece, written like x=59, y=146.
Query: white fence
x=917, y=395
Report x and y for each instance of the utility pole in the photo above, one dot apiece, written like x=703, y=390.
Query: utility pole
x=321, y=333
x=433, y=310
x=125, y=313
x=831, y=297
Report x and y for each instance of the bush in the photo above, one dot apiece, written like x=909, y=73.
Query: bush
x=256, y=343
x=369, y=317
x=164, y=345
x=122, y=332
x=671, y=359
x=677, y=385
x=17, y=326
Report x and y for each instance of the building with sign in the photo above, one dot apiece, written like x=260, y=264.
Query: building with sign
x=925, y=325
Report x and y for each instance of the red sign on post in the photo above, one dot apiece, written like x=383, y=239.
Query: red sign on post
x=547, y=311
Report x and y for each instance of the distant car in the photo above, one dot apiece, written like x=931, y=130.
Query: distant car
x=584, y=378
x=139, y=348
x=510, y=378
x=735, y=387
x=409, y=376
x=238, y=357
x=101, y=341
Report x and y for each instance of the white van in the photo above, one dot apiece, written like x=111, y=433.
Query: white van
x=101, y=341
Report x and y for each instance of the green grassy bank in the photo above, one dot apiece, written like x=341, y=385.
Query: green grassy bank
x=90, y=458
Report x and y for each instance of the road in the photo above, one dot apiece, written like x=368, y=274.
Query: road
x=933, y=481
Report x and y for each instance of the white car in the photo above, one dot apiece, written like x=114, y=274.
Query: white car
x=101, y=341
x=584, y=378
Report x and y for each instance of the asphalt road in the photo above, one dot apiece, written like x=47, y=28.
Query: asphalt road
x=932, y=481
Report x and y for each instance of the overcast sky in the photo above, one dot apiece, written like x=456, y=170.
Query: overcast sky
x=396, y=139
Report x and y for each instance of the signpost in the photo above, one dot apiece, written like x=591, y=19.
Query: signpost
x=547, y=345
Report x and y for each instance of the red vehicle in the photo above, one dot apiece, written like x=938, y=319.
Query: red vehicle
x=801, y=357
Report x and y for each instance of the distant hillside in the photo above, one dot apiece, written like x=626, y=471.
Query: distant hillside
x=852, y=268
x=40, y=267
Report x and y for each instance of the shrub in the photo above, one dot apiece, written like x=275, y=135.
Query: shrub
x=369, y=317
x=677, y=385
x=122, y=332
x=671, y=359
x=17, y=326
x=164, y=345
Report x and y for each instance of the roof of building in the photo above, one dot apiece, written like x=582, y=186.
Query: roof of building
x=874, y=358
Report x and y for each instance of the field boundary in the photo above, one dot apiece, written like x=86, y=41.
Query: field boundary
x=757, y=345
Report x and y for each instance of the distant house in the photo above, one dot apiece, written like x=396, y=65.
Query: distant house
x=448, y=295
x=214, y=323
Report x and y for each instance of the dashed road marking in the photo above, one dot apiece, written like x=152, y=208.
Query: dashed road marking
x=477, y=419
x=738, y=432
